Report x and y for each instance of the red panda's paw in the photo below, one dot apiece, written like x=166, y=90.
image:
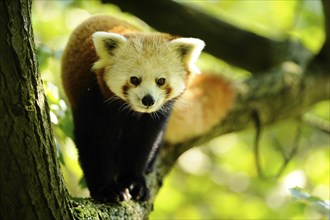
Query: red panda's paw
x=137, y=187
x=139, y=191
x=111, y=193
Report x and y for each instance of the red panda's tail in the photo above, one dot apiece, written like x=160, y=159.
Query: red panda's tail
x=206, y=101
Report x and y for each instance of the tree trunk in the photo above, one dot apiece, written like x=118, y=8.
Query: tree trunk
x=31, y=183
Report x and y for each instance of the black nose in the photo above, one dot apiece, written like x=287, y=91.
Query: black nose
x=148, y=100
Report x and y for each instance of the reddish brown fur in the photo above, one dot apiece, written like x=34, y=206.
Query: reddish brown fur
x=206, y=101
x=78, y=61
x=126, y=88
x=168, y=91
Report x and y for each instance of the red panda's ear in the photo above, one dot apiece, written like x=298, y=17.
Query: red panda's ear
x=105, y=43
x=189, y=49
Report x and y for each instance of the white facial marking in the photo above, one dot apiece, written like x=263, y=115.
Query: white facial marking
x=147, y=57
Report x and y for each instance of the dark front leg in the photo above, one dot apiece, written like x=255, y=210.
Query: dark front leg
x=98, y=158
x=138, y=150
x=97, y=130
x=132, y=166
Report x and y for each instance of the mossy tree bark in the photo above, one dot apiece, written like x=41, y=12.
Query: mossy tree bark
x=31, y=183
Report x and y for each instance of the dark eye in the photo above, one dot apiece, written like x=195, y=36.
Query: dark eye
x=135, y=80
x=160, y=81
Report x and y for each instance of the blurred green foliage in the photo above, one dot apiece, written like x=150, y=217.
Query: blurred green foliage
x=218, y=180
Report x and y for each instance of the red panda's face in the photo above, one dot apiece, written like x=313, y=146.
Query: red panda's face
x=145, y=70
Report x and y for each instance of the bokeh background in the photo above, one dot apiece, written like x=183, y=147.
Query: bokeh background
x=218, y=180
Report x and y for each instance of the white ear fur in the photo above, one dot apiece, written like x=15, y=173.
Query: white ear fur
x=105, y=43
x=189, y=49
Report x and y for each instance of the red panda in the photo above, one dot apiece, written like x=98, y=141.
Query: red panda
x=122, y=85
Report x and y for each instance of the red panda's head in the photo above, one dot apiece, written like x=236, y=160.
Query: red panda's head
x=146, y=70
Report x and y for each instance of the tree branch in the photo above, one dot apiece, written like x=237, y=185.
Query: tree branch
x=317, y=122
x=223, y=40
x=287, y=91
